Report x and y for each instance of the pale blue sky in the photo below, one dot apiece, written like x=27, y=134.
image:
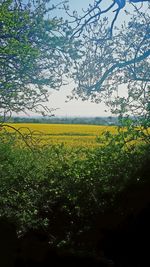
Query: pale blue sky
x=76, y=107
x=57, y=98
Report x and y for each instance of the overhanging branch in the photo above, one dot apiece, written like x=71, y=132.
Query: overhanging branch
x=96, y=87
x=94, y=13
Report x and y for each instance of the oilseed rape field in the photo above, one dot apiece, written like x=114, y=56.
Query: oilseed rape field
x=72, y=135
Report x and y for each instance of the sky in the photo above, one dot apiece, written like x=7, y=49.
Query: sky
x=57, y=99
x=75, y=107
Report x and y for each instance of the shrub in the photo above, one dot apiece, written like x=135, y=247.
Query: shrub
x=65, y=190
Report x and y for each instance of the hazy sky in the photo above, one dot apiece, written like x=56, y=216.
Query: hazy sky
x=75, y=107
x=57, y=98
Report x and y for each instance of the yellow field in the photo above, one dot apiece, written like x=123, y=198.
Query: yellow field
x=74, y=135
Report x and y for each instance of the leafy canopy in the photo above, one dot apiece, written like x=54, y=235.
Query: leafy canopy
x=116, y=55
x=35, y=53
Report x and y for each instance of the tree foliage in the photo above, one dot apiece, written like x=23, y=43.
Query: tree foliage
x=114, y=61
x=35, y=53
x=77, y=185
x=95, y=12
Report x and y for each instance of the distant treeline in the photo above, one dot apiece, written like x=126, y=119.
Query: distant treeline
x=67, y=120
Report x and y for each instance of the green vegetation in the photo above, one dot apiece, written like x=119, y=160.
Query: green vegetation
x=35, y=54
x=67, y=120
x=64, y=190
x=73, y=193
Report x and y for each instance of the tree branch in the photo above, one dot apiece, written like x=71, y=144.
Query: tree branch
x=93, y=15
x=78, y=31
x=96, y=87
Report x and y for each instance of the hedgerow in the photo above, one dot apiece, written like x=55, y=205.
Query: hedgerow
x=63, y=190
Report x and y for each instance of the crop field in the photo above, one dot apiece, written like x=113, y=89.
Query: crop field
x=72, y=135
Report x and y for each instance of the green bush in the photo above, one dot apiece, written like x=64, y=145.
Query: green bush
x=63, y=190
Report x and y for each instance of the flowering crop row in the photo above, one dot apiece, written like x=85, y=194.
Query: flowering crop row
x=74, y=135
